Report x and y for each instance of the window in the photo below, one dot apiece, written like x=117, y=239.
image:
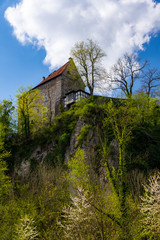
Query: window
x=45, y=97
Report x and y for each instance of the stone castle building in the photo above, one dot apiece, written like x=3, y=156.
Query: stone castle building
x=61, y=88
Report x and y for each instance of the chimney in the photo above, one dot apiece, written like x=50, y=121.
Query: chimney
x=43, y=78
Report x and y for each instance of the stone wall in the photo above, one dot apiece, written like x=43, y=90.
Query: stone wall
x=51, y=91
x=54, y=90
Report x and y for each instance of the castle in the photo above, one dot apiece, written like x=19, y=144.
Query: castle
x=61, y=88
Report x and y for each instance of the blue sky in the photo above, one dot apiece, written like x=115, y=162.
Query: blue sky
x=44, y=37
x=19, y=65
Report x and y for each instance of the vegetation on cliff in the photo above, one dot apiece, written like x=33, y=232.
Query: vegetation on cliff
x=92, y=182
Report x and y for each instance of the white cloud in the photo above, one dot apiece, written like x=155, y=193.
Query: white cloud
x=118, y=25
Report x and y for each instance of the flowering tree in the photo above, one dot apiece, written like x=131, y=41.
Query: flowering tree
x=26, y=230
x=150, y=206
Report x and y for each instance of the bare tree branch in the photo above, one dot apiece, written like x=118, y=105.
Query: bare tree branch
x=151, y=81
x=88, y=56
x=125, y=72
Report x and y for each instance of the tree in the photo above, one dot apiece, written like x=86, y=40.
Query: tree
x=26, y=229
x=5, y=184
x=79, y=218
x=89, y=215
x=88, y=56
x=31, y=112
x=150, y=207
x=121, y=121
x=6, y=123
x=122, y=118
x=151, y=81
x=125, y=72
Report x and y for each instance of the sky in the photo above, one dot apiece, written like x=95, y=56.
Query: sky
x=36, y=36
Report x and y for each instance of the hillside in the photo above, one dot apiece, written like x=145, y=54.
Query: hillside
x=83, y=176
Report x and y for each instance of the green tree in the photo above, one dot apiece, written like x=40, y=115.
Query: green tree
x=5, y=185
x=6, y=121
x=79, y=170
x=90, y=214
x=88, y=56
x=121, y=117
x=31, y=113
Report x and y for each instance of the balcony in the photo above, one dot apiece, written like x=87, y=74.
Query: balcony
x=74, y=96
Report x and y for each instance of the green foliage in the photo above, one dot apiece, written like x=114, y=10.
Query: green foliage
x=79, y=170
x=65, y=122
x=124, y=117
x=9, y=213
x=91, y=109
x=5, y=185
x=84, y=131
x=32, y=115
x=6, y=122
x=61, y=131
x=63, y=139
x=97, y=196
x=124, y=120
x=35, y=206
x=90, y=214
x=50, y=187
x=146, y=132
x=148, y=110
x=6, y=210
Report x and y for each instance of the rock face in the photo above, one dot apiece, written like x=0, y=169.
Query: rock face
x=40, y=154
x=37, y=156
x=89, y=144
x=74, y=140
x=24, y=169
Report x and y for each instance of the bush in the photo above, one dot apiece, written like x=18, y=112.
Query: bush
x=150, y=207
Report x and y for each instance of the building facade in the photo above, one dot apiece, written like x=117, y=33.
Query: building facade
x=57, y=85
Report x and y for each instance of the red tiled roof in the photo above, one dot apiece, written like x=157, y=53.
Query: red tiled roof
x=54, y=74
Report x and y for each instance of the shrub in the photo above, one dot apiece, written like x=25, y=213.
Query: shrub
x=25, y=229
x=150, y=207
